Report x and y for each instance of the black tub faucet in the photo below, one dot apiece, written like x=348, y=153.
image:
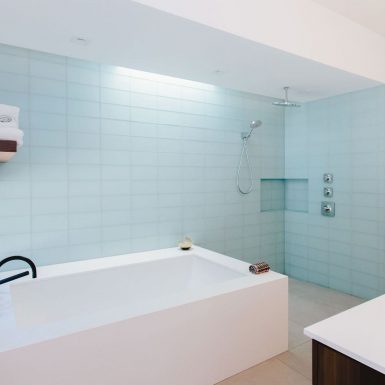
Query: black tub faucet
x=19, y=275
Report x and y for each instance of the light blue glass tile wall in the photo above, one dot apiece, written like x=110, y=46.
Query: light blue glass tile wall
x=272, y=194
x=117, y=161
x=344, y=135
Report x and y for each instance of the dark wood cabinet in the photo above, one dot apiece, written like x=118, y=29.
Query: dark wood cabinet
x=334, y=368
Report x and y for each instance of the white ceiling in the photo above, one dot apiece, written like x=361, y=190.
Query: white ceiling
x=126, y=33
x=368, y=13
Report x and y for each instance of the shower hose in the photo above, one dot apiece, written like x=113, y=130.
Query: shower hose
x=246, y=153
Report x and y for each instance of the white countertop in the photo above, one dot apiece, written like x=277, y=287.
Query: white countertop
x=358, y=333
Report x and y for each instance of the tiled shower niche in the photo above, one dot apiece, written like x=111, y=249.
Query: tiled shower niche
x=284, y=194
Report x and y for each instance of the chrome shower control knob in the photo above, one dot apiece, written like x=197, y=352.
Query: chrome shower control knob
x=328, y=209
x=328, y=192
x=328, y=178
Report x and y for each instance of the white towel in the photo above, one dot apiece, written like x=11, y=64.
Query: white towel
x=9, y=116
x=7, y=133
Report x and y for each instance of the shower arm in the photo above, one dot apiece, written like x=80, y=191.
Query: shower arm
x=286, y=94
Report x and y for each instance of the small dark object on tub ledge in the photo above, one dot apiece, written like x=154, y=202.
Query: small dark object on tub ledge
x=259, y=268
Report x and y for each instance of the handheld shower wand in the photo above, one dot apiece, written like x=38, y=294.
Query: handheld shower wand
x=245, y=137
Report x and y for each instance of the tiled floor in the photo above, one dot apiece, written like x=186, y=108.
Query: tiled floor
x=308, y=304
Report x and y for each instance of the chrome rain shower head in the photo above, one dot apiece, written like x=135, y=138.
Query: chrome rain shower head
x=285, y=102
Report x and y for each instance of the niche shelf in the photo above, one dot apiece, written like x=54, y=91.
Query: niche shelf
x=272, y=194
x=8, y=149
x=289, y=194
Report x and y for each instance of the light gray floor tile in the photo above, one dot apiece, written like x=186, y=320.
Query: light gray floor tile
x=308, y=304
x=271, y=372
x=299, y=359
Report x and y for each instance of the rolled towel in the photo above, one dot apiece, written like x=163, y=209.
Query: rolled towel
x=9, y=116
x=8, y=133
x=259, y=267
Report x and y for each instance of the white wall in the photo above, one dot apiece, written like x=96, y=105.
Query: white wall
x=301, y=27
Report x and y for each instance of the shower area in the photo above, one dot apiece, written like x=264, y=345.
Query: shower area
x=331, y=194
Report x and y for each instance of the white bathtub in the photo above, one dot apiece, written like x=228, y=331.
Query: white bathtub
x=164, y=317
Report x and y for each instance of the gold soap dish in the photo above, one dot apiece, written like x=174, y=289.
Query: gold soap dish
x=186, y=244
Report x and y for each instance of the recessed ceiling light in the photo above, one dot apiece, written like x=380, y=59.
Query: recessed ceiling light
x=80, y=40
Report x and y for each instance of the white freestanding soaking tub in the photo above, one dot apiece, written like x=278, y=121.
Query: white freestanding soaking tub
x=165, y=317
